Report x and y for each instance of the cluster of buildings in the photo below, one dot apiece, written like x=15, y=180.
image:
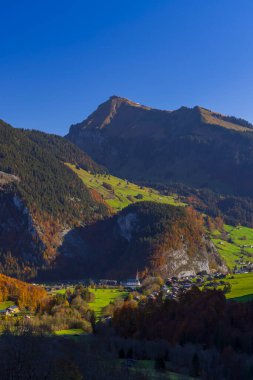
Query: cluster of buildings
x=244, y=267
x=175, y=286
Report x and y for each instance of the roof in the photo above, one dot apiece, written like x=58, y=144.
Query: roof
x=14, y=307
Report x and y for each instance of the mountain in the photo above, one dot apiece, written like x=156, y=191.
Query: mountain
x=193, y=146
x=50, y=219
x=41, y=199
x=151, y=237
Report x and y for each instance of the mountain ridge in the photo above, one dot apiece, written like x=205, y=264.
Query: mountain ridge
x=192, y=146
x=105, y=112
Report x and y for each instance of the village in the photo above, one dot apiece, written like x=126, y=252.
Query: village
x=170, y=288
x=152, y=288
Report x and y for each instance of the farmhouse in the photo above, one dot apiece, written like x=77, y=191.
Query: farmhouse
x=10, y=310
x=13, y=309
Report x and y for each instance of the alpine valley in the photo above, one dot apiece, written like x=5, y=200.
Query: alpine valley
x=129, y=188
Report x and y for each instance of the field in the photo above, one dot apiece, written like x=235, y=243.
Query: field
x=119, y=193
x=242, y=287
x=5, y=304
x=104, y=297
x=235, y=245
x=63, y=291
x=70, y=332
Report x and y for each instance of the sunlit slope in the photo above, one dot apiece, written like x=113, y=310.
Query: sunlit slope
x=235, y=245
x=242, y=287
x=119, y=193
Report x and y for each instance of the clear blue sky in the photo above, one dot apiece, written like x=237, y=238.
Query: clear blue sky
x=60, y=59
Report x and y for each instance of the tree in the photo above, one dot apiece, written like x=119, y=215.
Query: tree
x=195, y=366
x=160, y=364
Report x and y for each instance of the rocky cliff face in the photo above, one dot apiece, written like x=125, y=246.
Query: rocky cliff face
x=18, y=233
x=150, y=237
x=171, y=251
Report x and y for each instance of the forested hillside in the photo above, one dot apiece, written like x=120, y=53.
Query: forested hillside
x=151, y=237
x=22, y=294
x=40, y=198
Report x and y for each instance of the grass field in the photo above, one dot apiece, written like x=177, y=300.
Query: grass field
x=104, y=297
x=242, y=287
x=63, y=291
x=234, y=245
x=5, y=304
x=122, y=192
x=69, y=332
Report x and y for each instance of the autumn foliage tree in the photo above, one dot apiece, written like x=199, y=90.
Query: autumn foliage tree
x=23, y=294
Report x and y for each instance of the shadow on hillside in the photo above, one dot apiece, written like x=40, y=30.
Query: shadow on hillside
x=85, y=253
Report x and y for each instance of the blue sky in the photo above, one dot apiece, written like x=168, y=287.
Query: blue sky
x=60, y=59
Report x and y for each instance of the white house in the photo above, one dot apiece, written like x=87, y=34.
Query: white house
x=132, y=283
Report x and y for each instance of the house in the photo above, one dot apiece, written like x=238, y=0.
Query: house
x=187, y=286
x=13, y=309
x=3, y=312
x=132, y=283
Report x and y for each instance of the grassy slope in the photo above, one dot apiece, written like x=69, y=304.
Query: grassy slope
x=231, y=248
x=242, y=286
x=70, y=332
x=5, y=304
x=233, y=253
x=123, y=193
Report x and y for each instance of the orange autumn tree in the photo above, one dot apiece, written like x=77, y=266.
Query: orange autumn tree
x=23, y=294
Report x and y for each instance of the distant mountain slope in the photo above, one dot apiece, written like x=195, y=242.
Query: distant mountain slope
x=151, y=237
x=40, y=198
x=195, y=146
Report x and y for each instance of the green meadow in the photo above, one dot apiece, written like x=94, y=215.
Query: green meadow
x=69, y=332
x=120, y=193
x=234, y=245
x=63, y=291
x=104, y=297
x=5, y=304
x=242, y=287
